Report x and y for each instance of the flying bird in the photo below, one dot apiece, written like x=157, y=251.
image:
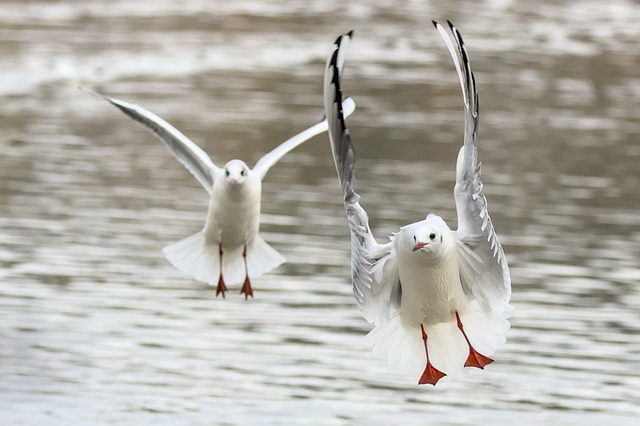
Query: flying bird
x=228, y=250
x=438, y=298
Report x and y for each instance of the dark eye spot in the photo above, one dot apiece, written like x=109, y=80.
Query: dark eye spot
x=226, y=173
x=414, y=238
x=432, y=236
x=242, y=172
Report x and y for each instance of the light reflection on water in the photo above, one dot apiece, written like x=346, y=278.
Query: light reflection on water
x=99, y=328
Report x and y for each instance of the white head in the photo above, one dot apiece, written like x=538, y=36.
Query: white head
x=236, y=173
x=431, y=237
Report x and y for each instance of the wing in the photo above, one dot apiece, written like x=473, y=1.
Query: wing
x=484, y=269
x=374, y=271
x=188, y=153
x=269, y=159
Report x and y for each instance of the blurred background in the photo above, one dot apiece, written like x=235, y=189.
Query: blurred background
x=96, y=327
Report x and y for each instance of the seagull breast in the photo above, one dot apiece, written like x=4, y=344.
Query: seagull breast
x=430, y=280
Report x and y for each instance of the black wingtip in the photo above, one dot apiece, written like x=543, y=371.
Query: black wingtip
x=450, y=24
x=333, y=62
x=339, y=39
x=435, y=24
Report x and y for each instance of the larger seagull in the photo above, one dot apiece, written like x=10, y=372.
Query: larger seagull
x=228, y=250
x=439, y=299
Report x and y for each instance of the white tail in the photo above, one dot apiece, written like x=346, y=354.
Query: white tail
x=201, y=260
x=403, y=348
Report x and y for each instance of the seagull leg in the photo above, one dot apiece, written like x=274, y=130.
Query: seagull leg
x=475, y=358
x=246, y=287
x=431, y=375
x=222, y=288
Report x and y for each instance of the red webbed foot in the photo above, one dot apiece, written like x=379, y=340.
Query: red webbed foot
x=475, y=358
x=431, y=375
x=246, y=289
x=222, y=288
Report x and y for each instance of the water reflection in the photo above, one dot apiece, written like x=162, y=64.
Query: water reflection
x=98, y=327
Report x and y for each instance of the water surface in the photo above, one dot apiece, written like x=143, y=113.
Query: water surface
x=98, y=328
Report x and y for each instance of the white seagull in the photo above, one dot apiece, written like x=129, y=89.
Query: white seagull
x=228, y=250
x=439, y=299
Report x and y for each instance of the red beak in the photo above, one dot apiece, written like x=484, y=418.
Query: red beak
x=419, y=245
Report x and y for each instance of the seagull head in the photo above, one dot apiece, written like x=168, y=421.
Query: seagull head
x=235, y=173
x=431, y=237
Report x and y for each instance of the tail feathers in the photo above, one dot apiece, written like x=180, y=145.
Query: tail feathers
x=400, y=345
x=194, y=257
x=201, y=260
x=448, y=350
x=262, y=258
x=485, y=333
x=403, y=348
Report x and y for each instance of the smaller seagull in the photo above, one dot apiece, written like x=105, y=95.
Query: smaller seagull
x=228, y=250
x=439, y=299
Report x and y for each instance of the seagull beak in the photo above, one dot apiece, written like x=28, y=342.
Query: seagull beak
x=419, y=245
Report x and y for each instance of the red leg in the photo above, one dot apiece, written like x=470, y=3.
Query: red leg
x=431, y=375
x=475, y=358
x=246, y=287
x=222, y=288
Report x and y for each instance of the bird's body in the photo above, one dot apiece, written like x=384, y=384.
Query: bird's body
x=431, y=287
x=233, y=218
x=438, y=298
x=228, y=250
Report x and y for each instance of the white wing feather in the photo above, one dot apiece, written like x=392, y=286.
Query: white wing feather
x=374, y=271
x=186, y=152
x=484, y=269
x=271, y=158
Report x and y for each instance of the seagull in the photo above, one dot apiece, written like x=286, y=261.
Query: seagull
x=228, y=250
x=438, y=298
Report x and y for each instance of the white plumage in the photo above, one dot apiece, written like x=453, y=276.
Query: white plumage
x=439, y=299
x=228, y=250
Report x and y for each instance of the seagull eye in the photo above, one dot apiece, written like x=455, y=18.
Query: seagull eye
x=242, y=172
x=432, y=236
x=226, y=173
x=414, y=239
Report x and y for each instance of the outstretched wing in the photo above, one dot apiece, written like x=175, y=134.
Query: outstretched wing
x=484, y=269
x=269, y=159
x=188, y=153
x=374, y=271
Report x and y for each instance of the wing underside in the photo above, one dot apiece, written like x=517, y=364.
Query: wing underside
x=186, y=151
x=376, y=285
x=484, y=269
x=271, y=158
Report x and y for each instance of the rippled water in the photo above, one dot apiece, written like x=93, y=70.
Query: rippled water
x=97, y=328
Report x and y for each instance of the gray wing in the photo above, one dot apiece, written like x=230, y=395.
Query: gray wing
x=269, y=159
x=186, y=152
x=374, y=271
x=484, y=269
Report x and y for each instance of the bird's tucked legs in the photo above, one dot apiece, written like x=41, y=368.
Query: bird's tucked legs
x=431, y=375
x=246, y=287
x=475, y=358
x=222, y=288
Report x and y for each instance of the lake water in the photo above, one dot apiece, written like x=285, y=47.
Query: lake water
x=96, y=327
